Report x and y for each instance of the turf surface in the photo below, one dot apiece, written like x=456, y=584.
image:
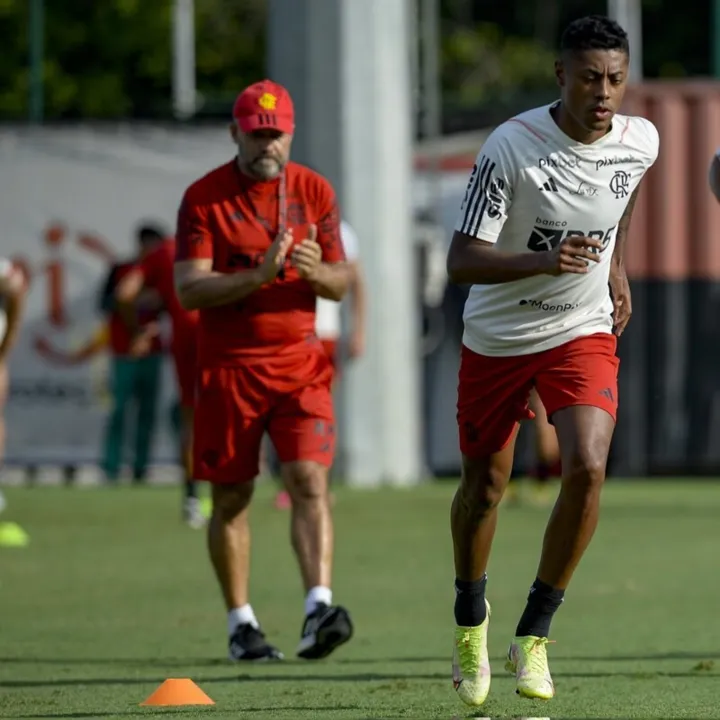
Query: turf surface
x=113, y=596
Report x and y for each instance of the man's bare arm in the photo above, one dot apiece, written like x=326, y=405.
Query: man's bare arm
x=13, y=290
x=618, y=257
x=331, y=280
x=714, y=177
x=358, y=307
x=198, y=286
x=477, y=262
x=126, y=295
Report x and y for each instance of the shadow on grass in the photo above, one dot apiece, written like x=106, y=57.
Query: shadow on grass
x=190, y=662
x=329, y=678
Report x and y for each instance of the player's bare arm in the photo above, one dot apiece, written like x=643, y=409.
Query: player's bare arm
x=198, y=286
x=328, y=280
x=358, y=306
x=714, y=177
x=619, y=285
x=478, y=262
x=13, y=289
x=126, y=296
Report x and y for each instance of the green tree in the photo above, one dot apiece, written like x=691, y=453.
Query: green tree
x=113, y=58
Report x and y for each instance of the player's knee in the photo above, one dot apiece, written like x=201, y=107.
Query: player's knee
x=482, y=484
x=587, y=470
x=229, y=501
x=306, y=481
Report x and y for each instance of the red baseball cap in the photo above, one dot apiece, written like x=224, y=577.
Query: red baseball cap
x=265, y=105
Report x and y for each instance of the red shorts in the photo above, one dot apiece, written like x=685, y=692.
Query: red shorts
x=493, y=391
x=184, y=351
x=289, y=397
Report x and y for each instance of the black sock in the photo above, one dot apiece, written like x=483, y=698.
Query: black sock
x=190, y=489
x=470, y=609
x=542, y=603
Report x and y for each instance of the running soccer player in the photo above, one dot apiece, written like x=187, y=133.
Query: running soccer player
x=13, y=289
x=258, y=240
x=540, y=237
x=155, y=271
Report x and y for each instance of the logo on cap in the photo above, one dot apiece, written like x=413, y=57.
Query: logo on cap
x=267, y=101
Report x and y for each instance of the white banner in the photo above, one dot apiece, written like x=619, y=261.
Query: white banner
x=70, y=200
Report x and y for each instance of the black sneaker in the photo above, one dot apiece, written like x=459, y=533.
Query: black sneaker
x=248, y=643
x=324, y=630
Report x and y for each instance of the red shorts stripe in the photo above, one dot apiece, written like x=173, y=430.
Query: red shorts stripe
x=493, y=392
x=288, y=397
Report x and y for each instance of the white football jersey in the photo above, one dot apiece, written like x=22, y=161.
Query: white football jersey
x=532, y=186
x=327, y=312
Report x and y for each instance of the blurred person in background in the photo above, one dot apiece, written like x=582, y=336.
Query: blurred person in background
x=547, y=457
x=13, y=290
x=134, y=377
x=155, y=273
x=328, y=323
x=714, y=175
x=258, y=240
x=541, y=236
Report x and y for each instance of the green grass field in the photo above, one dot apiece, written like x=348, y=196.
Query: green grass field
x=114, y=595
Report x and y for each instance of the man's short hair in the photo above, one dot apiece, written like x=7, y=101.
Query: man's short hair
x=149, y=233
x=594, y=32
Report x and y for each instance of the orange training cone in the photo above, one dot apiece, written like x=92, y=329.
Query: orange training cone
x=182, y=691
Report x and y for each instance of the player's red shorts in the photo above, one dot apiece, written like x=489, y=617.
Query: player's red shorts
x=289, y=397
x=493, y=391
x=184, y=351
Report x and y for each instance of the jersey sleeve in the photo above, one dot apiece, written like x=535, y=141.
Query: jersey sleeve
x=649, y=140
x=350, y=242
x=489, y=191
x=193, y=237
x=328, y=227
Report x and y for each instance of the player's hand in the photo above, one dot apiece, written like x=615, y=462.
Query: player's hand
x=307, y=256
x=622, y=302
x=573, y=255
x=275, y=257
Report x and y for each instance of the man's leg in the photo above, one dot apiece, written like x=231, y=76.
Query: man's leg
x=147, y=390
x=121, y=387
x=546, y=449
x=492, y=399
x=226, y=445
x=303, y=432
x=579, y=388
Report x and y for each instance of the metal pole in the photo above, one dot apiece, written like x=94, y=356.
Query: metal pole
x=36, y=44
x=183, y=79
x=628, y=13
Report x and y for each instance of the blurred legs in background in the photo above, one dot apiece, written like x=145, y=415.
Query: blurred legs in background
x=135, y=381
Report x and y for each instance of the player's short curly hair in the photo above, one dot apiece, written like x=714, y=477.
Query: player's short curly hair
x=594, y=32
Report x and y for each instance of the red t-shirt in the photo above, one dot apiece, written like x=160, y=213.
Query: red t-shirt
x=120, y=336
x=157, y=269
x=233, y=219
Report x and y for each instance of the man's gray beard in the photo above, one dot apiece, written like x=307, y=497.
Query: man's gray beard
x=267, y=170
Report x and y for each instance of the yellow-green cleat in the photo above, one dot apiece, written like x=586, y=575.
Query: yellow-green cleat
x=527, y=660
x=471, y=665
